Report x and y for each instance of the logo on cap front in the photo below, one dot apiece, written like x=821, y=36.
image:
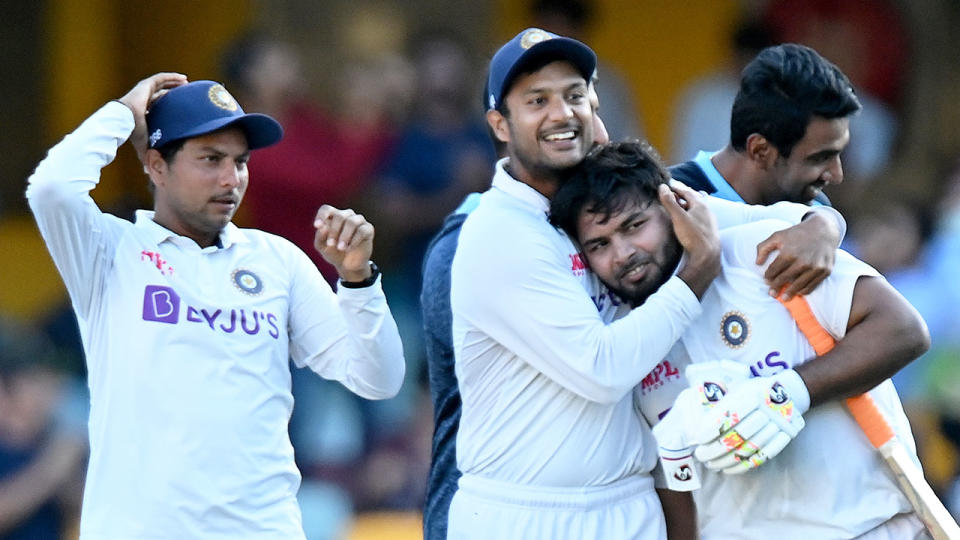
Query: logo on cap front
x=221, y=98
x=532, y=37
x=155, y=136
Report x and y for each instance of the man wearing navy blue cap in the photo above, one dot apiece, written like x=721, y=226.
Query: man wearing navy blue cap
x=188, y=322
x=549, y=442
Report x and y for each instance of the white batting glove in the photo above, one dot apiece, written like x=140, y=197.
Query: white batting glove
x=674, y=446
x=709, y=382
x=752, y=423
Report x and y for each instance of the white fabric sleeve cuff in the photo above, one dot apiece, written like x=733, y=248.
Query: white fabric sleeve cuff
x=835, y=214
x=796, y=389
x=361, y=294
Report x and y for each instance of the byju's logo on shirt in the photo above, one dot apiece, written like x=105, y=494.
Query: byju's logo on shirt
x=162, y=304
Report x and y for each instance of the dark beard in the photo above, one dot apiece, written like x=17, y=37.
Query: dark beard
x=672, y=252
x=542, y=171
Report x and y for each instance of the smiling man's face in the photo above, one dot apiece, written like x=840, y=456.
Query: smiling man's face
x=633, y=251
x=549, y=127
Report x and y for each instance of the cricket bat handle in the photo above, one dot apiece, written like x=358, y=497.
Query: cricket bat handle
x=924, y=501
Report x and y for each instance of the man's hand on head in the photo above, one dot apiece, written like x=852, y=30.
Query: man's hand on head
x=345, y=240
x=696, y=230
x=139, y=99
x=806, y=254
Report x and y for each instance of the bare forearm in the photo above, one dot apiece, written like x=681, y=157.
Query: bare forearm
x=680, y=513
x=886, y=333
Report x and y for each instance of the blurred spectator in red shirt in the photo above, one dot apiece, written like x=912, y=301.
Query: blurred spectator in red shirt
x=322, y=159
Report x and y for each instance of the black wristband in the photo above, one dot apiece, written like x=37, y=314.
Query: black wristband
x=374, y=274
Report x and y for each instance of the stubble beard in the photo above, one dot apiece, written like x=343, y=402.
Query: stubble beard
x=666, y=268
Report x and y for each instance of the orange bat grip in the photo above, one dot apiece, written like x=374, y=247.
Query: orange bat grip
x=862, y=407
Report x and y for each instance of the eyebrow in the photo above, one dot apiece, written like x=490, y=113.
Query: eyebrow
x=214, y=150
x=541, y=90
x=826, y=153
x=623, y=224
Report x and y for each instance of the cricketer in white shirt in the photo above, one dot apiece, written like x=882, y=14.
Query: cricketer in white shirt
x=549, y=430
x=187, y=351
x=829, y=482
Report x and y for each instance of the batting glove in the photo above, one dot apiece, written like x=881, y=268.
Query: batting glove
x=709, y=382
x=752, y=423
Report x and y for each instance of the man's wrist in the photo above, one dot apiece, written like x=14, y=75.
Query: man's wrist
x=360, y=280
x=832, y=219
x=796, y=389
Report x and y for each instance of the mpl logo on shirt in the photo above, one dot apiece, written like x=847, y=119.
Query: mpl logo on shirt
x=162, y=304
x=577, y=266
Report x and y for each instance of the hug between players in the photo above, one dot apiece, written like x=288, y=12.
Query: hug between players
x=515, y=324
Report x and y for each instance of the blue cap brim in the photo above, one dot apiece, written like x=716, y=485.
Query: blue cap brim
x=260, y=129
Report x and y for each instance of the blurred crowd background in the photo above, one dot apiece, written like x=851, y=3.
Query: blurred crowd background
x=381, y=103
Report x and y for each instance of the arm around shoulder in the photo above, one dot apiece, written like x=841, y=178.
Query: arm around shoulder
x=884, y=334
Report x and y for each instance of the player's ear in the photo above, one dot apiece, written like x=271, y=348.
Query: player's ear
x=498, y=124
x=154, y=165
x=760, y=151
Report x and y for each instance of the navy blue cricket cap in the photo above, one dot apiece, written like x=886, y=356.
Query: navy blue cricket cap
x=201, y=107
x=526, y=47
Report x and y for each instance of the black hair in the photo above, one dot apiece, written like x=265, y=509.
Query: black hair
x=781, y=90
x=168, y=151
x=606, y=181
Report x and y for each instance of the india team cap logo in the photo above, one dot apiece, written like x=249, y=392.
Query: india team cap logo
x=202, y=107
x=532, y=37
x=526, y=48
x=734, y=329
x=221, y=98
x=247, y=281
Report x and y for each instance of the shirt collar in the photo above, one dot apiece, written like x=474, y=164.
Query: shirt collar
x=503, y=181
x=231, y=234
x=724, y=189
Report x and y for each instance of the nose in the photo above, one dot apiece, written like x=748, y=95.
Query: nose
x=622, y=251
x=231, y=175
x=834, y=172
x=560, y=110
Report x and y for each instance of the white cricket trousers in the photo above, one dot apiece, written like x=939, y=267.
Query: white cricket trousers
x=899, y=527
x=485, y=509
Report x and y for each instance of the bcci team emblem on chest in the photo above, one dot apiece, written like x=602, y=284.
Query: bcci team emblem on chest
x=247, y=281
x=734, y=329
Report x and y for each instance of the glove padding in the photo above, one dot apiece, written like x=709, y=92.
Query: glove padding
x=709, y=382
x=752, y=423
